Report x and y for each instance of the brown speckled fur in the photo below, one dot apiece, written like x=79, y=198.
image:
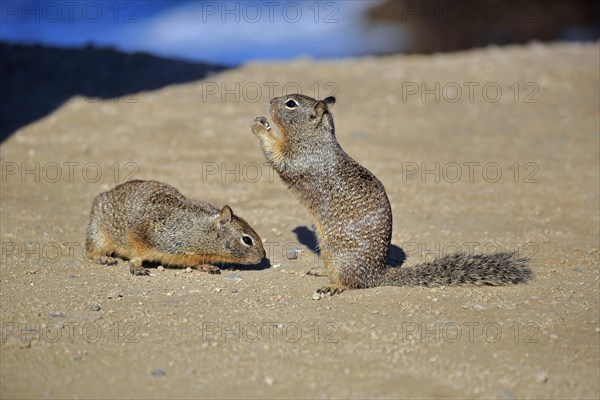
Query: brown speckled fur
x=352, y=213
x=152, y=221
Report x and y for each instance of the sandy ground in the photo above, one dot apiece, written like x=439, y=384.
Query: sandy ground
x=517, y=163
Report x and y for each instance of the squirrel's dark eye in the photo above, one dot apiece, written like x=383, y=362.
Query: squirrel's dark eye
x=291, y=104
x=247, y=240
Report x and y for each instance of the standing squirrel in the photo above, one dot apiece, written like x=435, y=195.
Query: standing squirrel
x=351, y=210
x=152, y=221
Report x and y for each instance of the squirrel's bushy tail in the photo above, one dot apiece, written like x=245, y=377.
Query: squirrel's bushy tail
x=501, y=268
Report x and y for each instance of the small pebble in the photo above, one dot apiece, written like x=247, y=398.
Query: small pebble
x=160, y=268
x=188, y=270
x=597, y=330
x=293, y=253
x=233, y=276
x=218, y=290
x=478, y=307
x=276, y=265
x=269, y=380
x=553, y=336
x=95, y=307
x=541, y=377
x=317, y=296
x=159, y=372
x=233, y=290
x=56, y=315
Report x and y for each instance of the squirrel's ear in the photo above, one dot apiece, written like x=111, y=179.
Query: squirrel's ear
x=226, y=215
x=323, y=105
x=320, y=109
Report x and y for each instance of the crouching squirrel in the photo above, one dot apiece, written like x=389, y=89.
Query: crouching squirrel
x=351, y=210
x=152, y=221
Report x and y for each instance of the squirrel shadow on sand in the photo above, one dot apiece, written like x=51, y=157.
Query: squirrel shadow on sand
x=307, y=237
x=264, y=264
x=225, y=268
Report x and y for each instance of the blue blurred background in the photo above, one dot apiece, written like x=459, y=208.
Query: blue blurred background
x=51, y=51
x=228, y=33
x=233, y=32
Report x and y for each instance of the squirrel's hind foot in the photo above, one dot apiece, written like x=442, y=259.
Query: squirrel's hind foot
x=331, y=289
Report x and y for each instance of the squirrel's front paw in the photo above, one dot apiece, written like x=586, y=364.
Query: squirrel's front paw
x=137, y=269
x=104, y=260
x=260, y=126
x=211, y=269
